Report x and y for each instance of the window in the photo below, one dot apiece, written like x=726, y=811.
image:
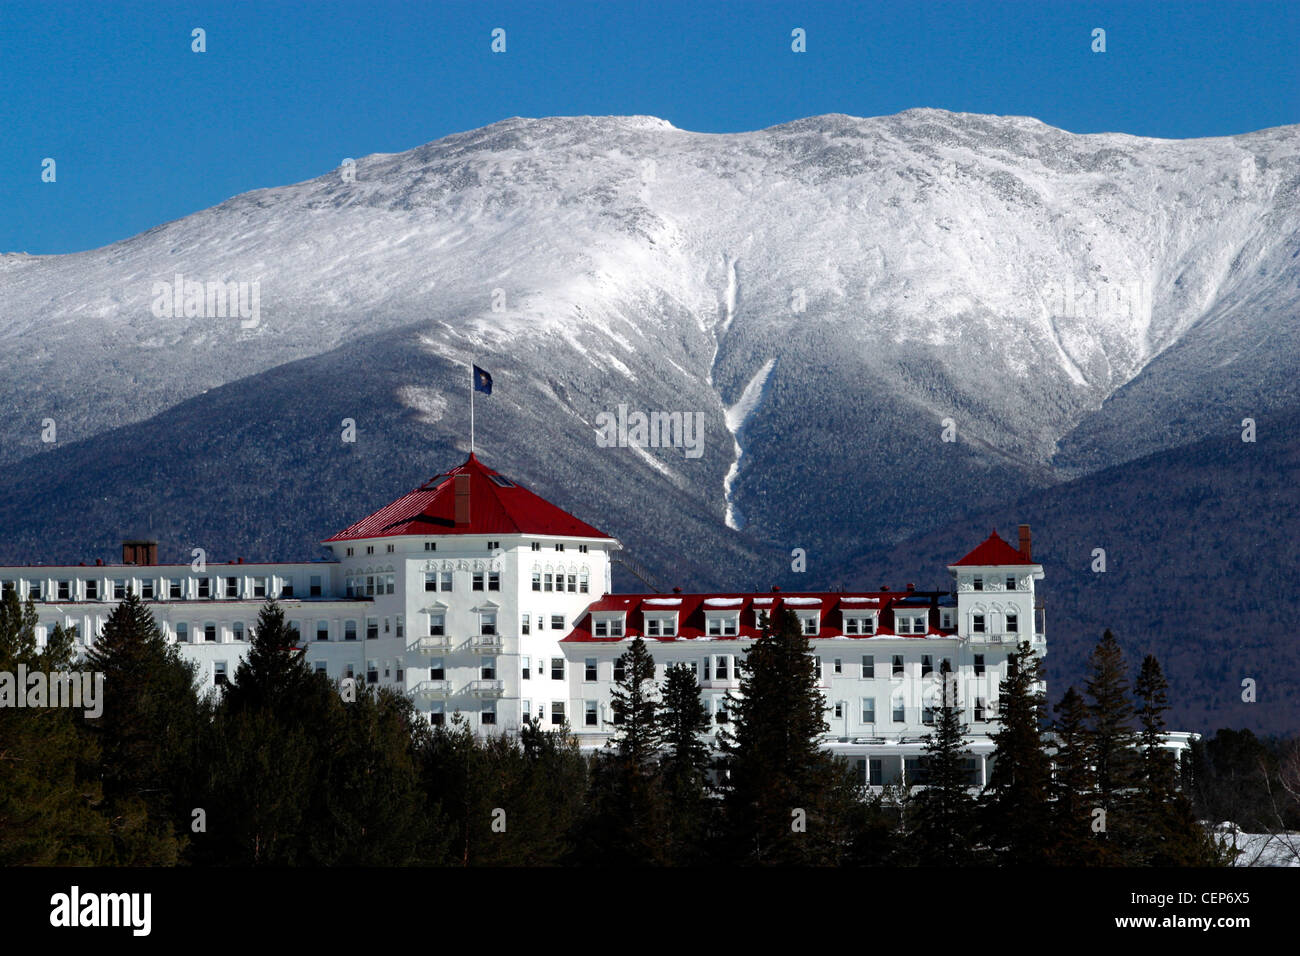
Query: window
x=92, y=590
x=977, y=623
x=487, y=623
x=437, y=717
x=573, y=583
x=63, y=589
x=911, y=624
x=526, y=708
x=720, y=715
x=537, y=546
x=322, y=630
x=589, y=669
x=557, y=668
x=372, y=672
x=559, y=547
x=537, y=580
x=720, y=668
x=927, y=713
x=868, y=666
x=927, y=665
x=494, y=546
x=723, y=626
x=372, y=628
x=35, y=589
x=557, y=712
x=444, y=580
x=370, y=549
x=600, y=628
x=174, y=589
x=431, y=546
x=898, y=665
x=660, y=627
x=436, y=669
x=977, y=583
x=205, y=587
x=1013, y=623
x=838, y=666
x=315, y=588
x=839, y=708
x=898, y=710
x=487, y=668
x=437, y=623
x=527, y=671
x=874, y=770
x=708, y=665
x=582, y=582
x=589, y=713
x=348, y=671
x=259, y=587
x=809, y=624
x=524, y=622
x=946, y=618
x=979, y=665
x=619, y=671
x=981, y=709
x=370, y=585
x=868, y=710
x=400, y=624
x=488, y=716
x=210, y=632
x=1011, y=582
x=390, y=549
x=548, y=582
x=119, y=588
x=390, y=584
x=183, y=632
x=817, y=668
x=477, y=581
x=320, y=667
x=237, y=630
x=218, y=672
x=557, y=622
x=232, y=588
x=349, y=630
x=494, y=580
x=146, y=589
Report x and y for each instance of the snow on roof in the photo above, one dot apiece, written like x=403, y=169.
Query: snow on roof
x=723, y=602
x=801, y=601
x=664, y=601
x=858, y=600
x=764, y=601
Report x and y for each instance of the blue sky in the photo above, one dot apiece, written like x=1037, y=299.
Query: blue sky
x=144, y=131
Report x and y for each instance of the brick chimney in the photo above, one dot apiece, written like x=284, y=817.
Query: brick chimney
x=140, y=551
x=1026, y=549
x=462, y=500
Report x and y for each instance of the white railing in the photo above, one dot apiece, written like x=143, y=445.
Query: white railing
x=487, y=688
x=429, y=644
x=433, y=688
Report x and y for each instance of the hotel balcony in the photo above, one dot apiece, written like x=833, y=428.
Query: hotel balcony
x=487, y=688
x=429, y=645
x=433, y=689
x=486, y=642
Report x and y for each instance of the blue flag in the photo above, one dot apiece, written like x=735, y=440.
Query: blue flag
x=482, y=381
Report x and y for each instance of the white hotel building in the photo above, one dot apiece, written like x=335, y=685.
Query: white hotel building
x=474, y=595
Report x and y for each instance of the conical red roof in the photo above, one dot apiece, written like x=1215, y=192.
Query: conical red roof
x=496, y=506
x=993, y=551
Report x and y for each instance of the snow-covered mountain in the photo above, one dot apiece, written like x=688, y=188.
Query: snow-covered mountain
x=824, y=294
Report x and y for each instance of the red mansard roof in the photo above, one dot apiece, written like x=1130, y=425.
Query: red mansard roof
x=994, y=551
x=496, y=506
x=691, y=620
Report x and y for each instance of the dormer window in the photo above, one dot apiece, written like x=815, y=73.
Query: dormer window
x=808, y=622
x=724, y=625
x=911, y=623
x=661, y=626
x=607, y=626
x=860, y=625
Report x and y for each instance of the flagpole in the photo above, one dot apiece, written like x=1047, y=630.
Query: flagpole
x=471, y=408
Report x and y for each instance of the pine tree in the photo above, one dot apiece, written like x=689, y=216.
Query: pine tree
x=274, y=675
x=1167, y=831
x=151, y=717
x=685, y=766
x=1112, y=746
x=1072, y=795
x=1016, y=822
x=786, y=801
x=943, y=813
x=638, y=734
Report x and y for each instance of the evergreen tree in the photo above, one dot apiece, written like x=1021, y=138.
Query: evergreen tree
x=1112, y=746
x=685, y=767
x=274, y=675
x=943, y=812
x=1168, y=833
x=1016, y=822
x=50, y=799
x=151, y=717
x=1072, y=795
x=786, y=800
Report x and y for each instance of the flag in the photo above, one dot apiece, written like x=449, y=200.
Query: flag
x=482, y=381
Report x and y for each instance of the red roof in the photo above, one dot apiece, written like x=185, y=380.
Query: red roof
x=831, y=606
x=496, y=506
x=993, y=552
